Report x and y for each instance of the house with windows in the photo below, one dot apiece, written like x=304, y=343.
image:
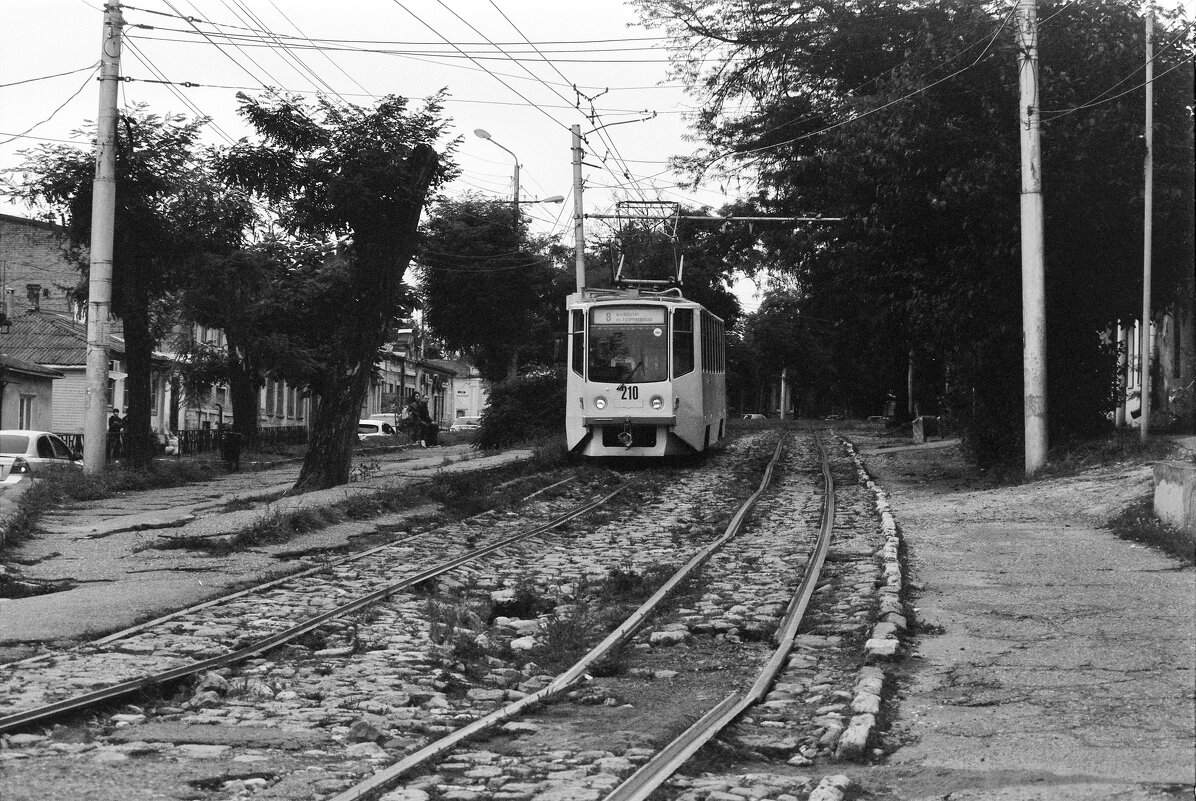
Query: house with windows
x=402, y=371
x=467, y=394
x=280, y=405
x=26, y=394
x=57, y=343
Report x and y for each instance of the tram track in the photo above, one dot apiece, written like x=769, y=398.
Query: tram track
x=14, y=720
x=376, y=690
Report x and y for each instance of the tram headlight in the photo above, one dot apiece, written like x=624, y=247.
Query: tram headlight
x=599, y=403
x=656, y=402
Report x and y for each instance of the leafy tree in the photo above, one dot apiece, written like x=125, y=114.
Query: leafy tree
x=487, y=288
x=171, y=210
x=362, y=175
x=903, y=119
x=241, y=293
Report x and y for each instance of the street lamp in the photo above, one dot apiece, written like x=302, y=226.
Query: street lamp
x=553, y=199
x=483, y=134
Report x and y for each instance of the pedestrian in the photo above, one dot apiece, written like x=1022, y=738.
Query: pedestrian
x=430, y=431
x=116, y=425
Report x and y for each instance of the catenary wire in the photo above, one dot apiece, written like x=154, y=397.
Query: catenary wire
x=24, y=134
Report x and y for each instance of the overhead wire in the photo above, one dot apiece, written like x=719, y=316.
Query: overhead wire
x=500, y=80
x=300, y=66
x=90, y=66
x=149, y=65
x=324, y=54
x=1103, y=97
x=25, y=133
x=870, y=111
x=223, y=52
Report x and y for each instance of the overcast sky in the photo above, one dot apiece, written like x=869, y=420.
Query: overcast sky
x=478, y=50
x=366, y=49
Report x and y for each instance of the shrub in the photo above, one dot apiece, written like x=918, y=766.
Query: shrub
x=523, y=408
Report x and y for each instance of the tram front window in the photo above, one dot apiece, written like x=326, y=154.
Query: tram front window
x=631, y=354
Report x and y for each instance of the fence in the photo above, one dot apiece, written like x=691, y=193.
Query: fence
x=193, y=441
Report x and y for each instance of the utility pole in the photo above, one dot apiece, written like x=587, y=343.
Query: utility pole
x=1034, y=395
x=579, y=237
x=99, y=285
x=1147, y=229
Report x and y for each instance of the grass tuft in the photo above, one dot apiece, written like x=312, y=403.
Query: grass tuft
x=1138, y=523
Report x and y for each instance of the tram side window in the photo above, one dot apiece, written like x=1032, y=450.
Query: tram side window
x=683, y=341
x=577, y=341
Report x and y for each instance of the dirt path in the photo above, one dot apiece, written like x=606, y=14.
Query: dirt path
x=1055, y=661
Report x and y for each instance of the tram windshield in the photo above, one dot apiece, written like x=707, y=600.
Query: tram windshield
x=628, y=344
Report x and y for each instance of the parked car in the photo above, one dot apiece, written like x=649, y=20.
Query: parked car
x=466, y=424
x=754, y=417
x=368, y=429
x=24, y=454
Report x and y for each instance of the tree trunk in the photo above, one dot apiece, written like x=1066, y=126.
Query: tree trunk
x=139, y=348
x=243, y=386
x=383, y=244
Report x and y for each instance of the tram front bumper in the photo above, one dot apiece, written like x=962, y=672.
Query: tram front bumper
x=625, y=420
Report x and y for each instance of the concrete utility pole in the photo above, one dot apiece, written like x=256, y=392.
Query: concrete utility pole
x=1148, y=228
x=1034, y=395
x=99, y=285
x=579, y=238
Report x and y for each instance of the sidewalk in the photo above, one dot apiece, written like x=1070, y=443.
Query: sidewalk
x=101, y=545
x=1055, y=661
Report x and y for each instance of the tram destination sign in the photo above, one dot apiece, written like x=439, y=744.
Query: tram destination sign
x=627, y=315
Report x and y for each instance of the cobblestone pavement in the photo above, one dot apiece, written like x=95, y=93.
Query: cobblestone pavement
x=102, y=545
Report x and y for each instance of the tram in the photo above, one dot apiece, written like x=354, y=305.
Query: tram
x=646, y=374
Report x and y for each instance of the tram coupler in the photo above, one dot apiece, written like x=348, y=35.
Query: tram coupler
x=625, y=436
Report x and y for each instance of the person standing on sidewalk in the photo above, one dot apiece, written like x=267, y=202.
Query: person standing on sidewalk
x=116, y=425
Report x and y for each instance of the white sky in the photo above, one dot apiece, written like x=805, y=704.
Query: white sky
x=529, y=114
x=45, y=37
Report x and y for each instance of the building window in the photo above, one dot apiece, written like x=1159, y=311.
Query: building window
x=270, y=396
x=26, y=412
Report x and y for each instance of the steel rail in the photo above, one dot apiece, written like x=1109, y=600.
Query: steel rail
x=19, y=719
x=653, y=773
x=382, y=780
x=321, y=568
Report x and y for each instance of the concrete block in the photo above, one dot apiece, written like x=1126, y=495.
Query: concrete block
x=925, y=427
x=1175, y=494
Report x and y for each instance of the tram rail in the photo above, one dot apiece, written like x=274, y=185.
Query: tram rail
x=386, y=778
x=15, y=721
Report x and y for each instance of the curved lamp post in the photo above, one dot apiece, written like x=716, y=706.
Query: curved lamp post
x=483, y=134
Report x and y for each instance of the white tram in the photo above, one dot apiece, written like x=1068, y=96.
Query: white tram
x=646, y=375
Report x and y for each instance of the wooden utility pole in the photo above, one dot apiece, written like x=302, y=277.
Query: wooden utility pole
x=1034, y=395
x=1147, y=229
x=99, y=285
x=579, y=237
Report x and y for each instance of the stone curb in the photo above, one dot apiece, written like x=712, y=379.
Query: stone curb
x=884, y=641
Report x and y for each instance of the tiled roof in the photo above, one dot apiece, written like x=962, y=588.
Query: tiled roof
x=14, y=365
x=458, y=366
x=48, y=338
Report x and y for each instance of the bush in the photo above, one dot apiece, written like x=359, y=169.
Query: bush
x=527, y=407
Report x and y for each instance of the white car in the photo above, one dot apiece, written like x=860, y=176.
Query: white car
x=24, y=453
x=369, y=429
x=466, y=424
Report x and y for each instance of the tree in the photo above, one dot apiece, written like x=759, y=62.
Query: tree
x=903, y=119
x=171, y=210
x=488, y=288
x=363, y=176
